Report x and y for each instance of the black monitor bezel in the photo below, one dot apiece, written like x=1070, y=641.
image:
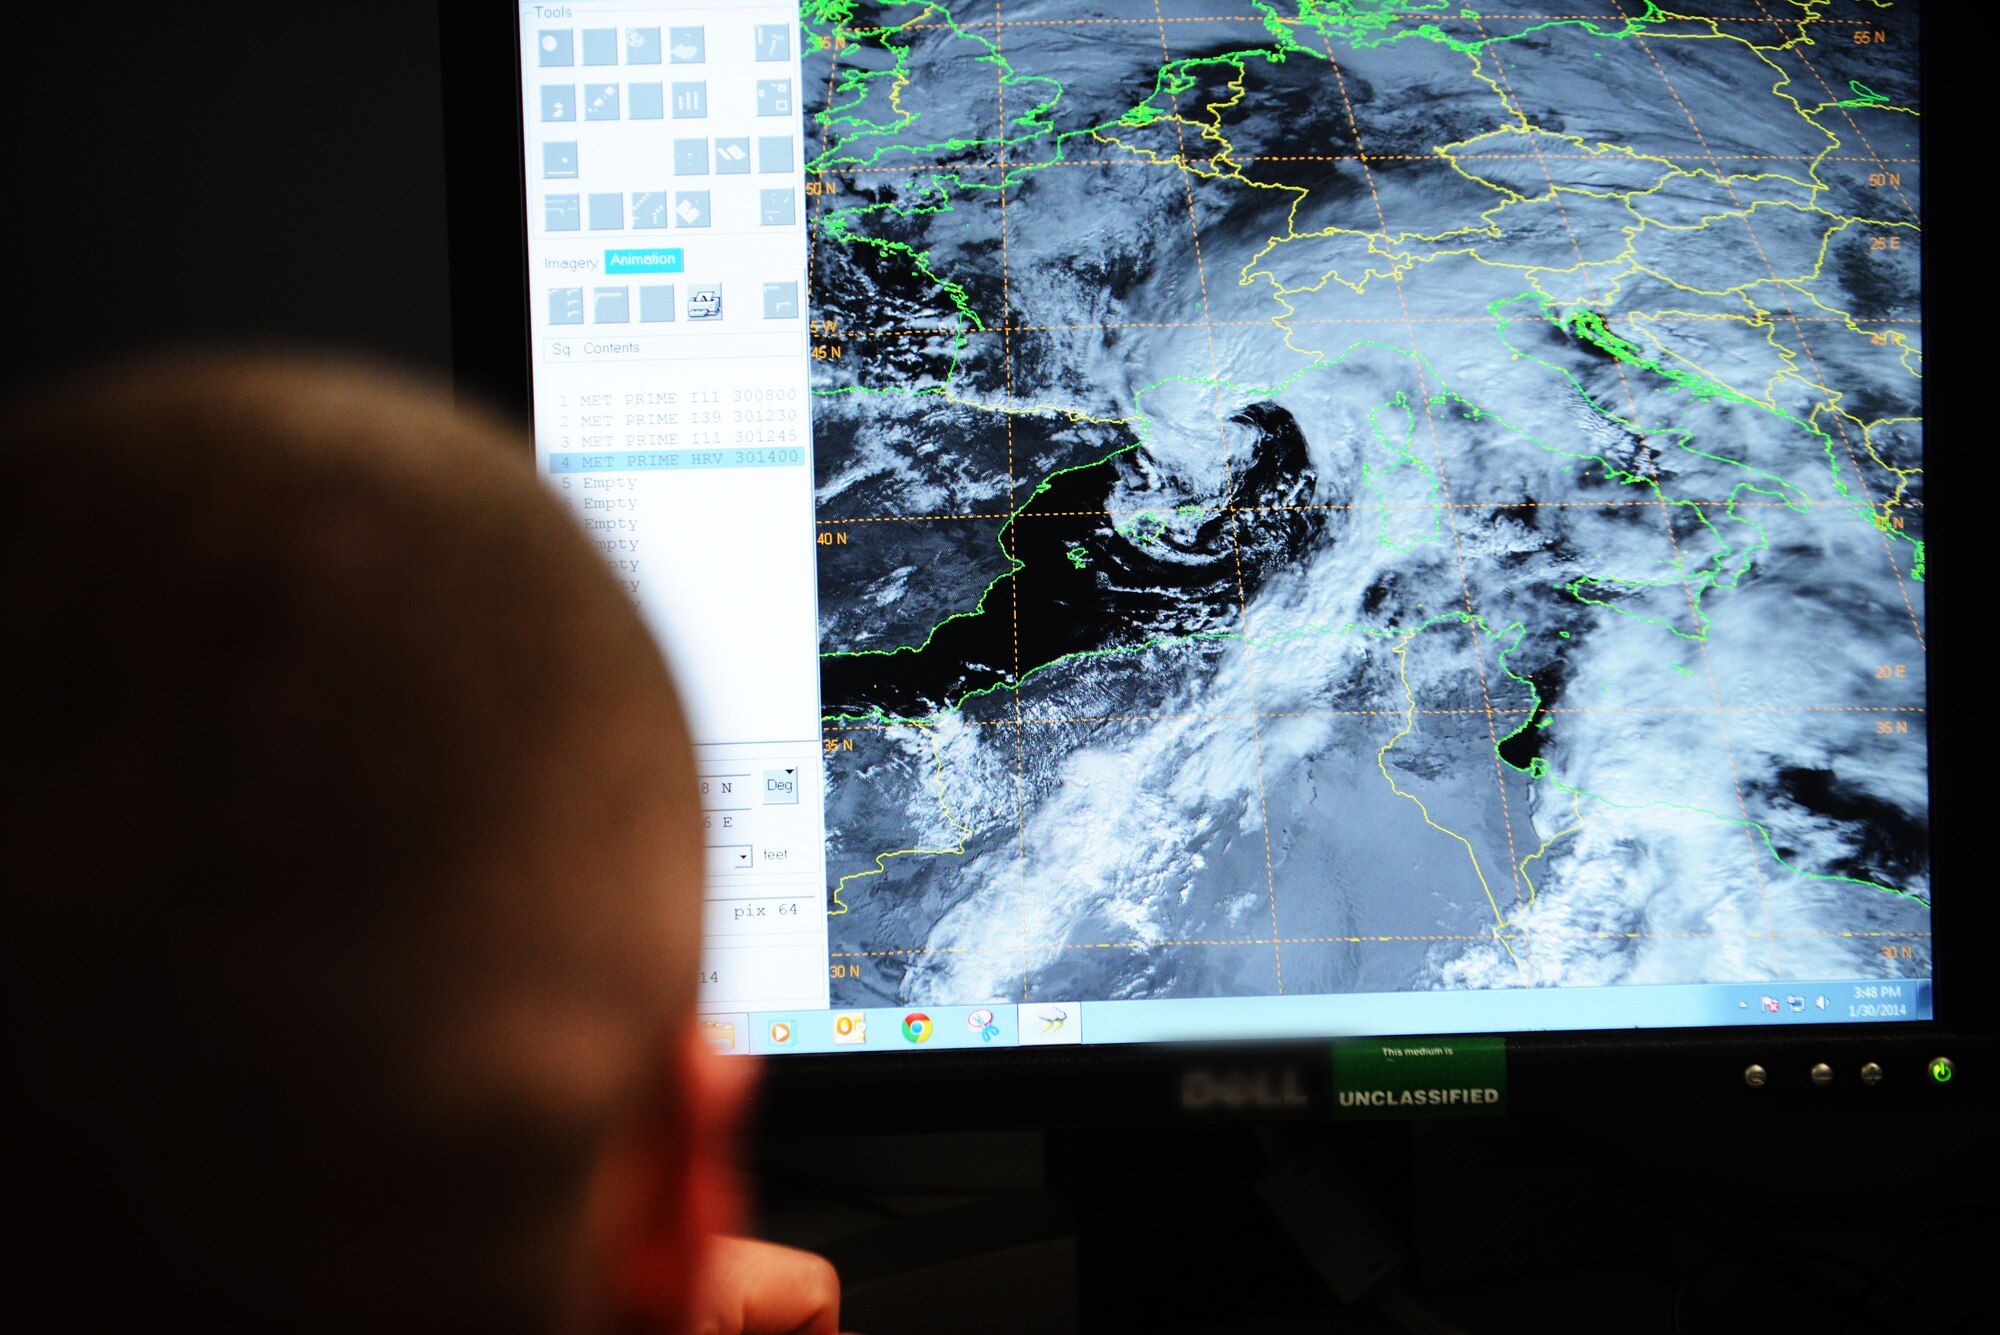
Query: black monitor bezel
x=479, y=42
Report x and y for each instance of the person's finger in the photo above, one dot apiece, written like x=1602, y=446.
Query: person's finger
x=756, y=1288
x=729, y=1082
x=719, y=1091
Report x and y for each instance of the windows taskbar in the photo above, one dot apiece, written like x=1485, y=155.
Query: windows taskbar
x=1337, y=1015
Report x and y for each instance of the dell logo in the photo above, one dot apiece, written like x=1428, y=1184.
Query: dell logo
x=1202, y=1089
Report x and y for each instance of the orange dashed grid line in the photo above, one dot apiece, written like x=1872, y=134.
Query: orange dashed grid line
x=1113, y=511
x=1673, y=539
x=1473, y=621
x=1008, y=329
x=1553, y=933
x=1795, y=48
x=1014, y=586
x=1259, y=19
x=858, y=169
x=1388, y=713
x=1805, y=344
x=932, y=331
x=1242, y=595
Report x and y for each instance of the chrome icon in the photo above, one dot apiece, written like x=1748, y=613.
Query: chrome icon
x=917, y=1027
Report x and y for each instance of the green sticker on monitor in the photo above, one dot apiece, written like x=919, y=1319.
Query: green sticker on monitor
x=1420, y=1077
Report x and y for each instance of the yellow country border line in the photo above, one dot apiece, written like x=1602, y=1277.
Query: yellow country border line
x=1902, y=475
x=897, y=84
x=1212, y=133
x=1398, y=249
x=902, y=79
x=1400, y=252
x=1601, y=151
x=1382, y=763
x=1401, y=258
x=1787, y=357
x=1833, y=397
x=1626, y=199
x=882, y=859
x=1576, y=814
x=1397, y=252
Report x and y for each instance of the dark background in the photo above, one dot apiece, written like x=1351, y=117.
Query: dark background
x=266, y=174
x=271, y=176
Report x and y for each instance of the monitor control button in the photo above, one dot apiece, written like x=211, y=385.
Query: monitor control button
x=1942, y=1070
x=1871, y=1073
x=1822, y=1074
x=1756, y=1076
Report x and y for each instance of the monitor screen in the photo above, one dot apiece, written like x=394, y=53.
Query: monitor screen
x=1234, y=519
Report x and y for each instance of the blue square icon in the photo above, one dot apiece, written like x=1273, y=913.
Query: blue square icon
x=690, y=157
x=774, y=154
x=600, y=102
x=781, y=301
x=607, y=213
x=562, y=213
x=649, y=208
x=687, y=46
x=642, y=46
x=732, y=157
x=690, y=100
x=558, y=101
x=556, y=47
x=611, y=305
x=600, y=46
x=691, y=208
x=774, y=41
x=559, y=160
x=565, y=305
x=646, y=101
x=777, y=208
x=774, y=97
x=656, y=303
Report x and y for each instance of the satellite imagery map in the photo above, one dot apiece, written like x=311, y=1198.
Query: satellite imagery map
x=1330, y=497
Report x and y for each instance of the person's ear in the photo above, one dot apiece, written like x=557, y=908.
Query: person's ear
x=672, y=1185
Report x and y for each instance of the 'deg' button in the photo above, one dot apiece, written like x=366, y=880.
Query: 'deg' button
x=781, y=787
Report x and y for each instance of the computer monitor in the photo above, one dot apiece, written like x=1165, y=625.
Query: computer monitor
x=1251, y=523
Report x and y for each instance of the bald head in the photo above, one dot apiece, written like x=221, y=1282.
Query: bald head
x=350, y=844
